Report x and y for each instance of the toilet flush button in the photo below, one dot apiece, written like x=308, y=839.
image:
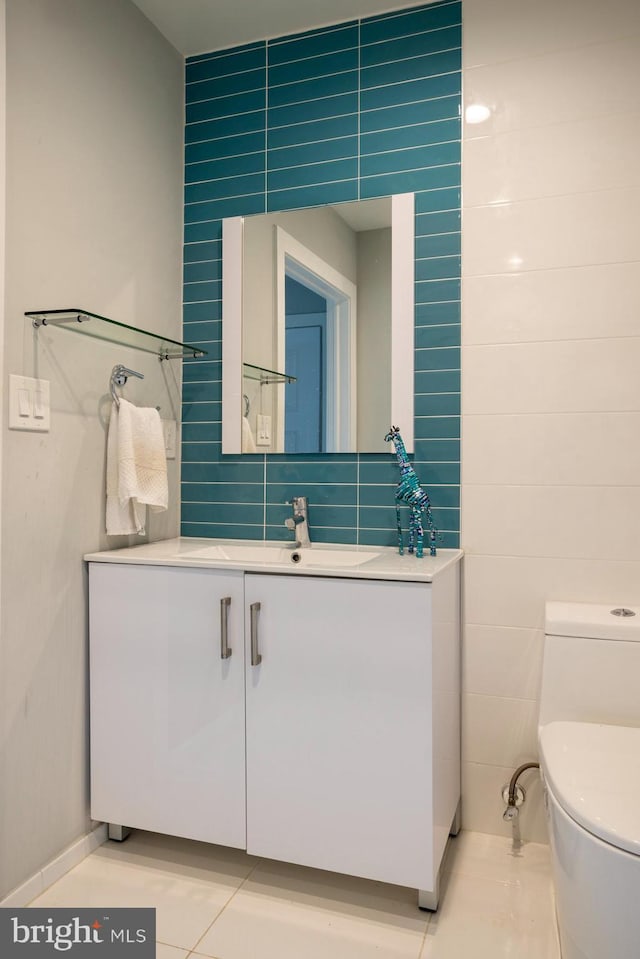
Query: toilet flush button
x=622, y=611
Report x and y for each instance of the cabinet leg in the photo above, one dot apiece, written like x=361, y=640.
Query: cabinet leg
x=429, y=899
x=456, y=822
x=119, y=833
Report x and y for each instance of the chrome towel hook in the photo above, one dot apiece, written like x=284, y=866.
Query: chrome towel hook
x=119, y=376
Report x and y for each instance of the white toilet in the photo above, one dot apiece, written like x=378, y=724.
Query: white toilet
x=589, y=739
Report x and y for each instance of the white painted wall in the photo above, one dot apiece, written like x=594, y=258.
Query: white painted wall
x=94, y=156
x=374, y=337
x=551, y=353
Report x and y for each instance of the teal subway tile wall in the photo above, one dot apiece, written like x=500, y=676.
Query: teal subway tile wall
x=356, y=110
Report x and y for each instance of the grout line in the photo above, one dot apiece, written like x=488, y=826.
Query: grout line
x=359, y=121
x=231, y=897
x=264, y=500
x=358, y=525
x=424, y=937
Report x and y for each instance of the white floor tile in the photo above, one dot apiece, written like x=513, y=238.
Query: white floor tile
x=188, y=883
x=496, y=902
x=170, y=952
x=481, y=856
x=491, y=919
x=285, y=912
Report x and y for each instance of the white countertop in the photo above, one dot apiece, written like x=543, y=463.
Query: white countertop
x=386, y=563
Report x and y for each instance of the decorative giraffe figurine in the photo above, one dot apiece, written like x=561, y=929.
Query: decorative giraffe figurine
x=409, y=491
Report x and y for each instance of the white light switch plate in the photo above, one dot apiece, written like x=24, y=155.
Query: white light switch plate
x=170, y=430
x=29, y=407
x=264, y=430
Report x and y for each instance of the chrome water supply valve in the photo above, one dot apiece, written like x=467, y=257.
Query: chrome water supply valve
x=513, y=794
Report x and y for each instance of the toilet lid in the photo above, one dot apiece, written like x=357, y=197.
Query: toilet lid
x=593, y=771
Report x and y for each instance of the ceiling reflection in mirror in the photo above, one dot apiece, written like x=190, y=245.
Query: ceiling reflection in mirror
x=318, y=328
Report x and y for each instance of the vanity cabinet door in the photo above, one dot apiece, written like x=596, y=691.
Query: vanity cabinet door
x=339, y=726
x=167, y=710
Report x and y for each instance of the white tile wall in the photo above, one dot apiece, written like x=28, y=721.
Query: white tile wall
x=556, y=304
x=560, y=376
x=498, y=30
x=554, y=448
x=546, y=233
x=497, y=730
x=516, y=650
x=511, y=590
x=572, y=522
x=541, y=161
x=551, y=350
x=575, y=83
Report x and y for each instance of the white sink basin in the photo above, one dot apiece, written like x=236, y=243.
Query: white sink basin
x=318, y=556
x=270, y=554
x=241, y=553
x=207, y=552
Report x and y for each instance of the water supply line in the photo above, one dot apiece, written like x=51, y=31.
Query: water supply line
x=514, y=795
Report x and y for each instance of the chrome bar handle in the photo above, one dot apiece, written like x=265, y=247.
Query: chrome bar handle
x=256, y=658
x=225, y=650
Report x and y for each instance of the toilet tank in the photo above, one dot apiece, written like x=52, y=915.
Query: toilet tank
x=591, y=665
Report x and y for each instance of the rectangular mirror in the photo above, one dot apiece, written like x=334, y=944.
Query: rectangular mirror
x=318, y=328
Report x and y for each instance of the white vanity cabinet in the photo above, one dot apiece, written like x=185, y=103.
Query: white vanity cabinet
x=341, y=719
x=167, y=704
x=344, y=704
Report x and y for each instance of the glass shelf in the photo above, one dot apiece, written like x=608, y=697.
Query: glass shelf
x=102, y=328
x=265, y=376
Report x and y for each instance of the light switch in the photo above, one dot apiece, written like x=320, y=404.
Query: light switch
x=29, y=404
x=170, y=430
x=24, y=403
x=264, y=430
x=40, y=405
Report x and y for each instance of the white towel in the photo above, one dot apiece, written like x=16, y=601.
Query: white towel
x=248, y=442
x=136, y=468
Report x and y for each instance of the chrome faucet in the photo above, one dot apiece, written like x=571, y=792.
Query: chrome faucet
x=299, y=522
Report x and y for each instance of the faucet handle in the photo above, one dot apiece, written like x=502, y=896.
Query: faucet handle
x=290, y=523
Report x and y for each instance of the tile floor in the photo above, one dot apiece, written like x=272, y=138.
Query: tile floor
x=496, y=901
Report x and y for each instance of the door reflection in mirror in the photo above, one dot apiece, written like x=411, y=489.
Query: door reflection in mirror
x=305, y=358
x=333, y=374
x=350, y=346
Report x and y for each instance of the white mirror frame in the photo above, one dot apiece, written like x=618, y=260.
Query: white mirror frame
x=402, y=326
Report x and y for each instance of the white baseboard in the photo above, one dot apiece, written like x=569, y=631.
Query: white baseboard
x=70, y=857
